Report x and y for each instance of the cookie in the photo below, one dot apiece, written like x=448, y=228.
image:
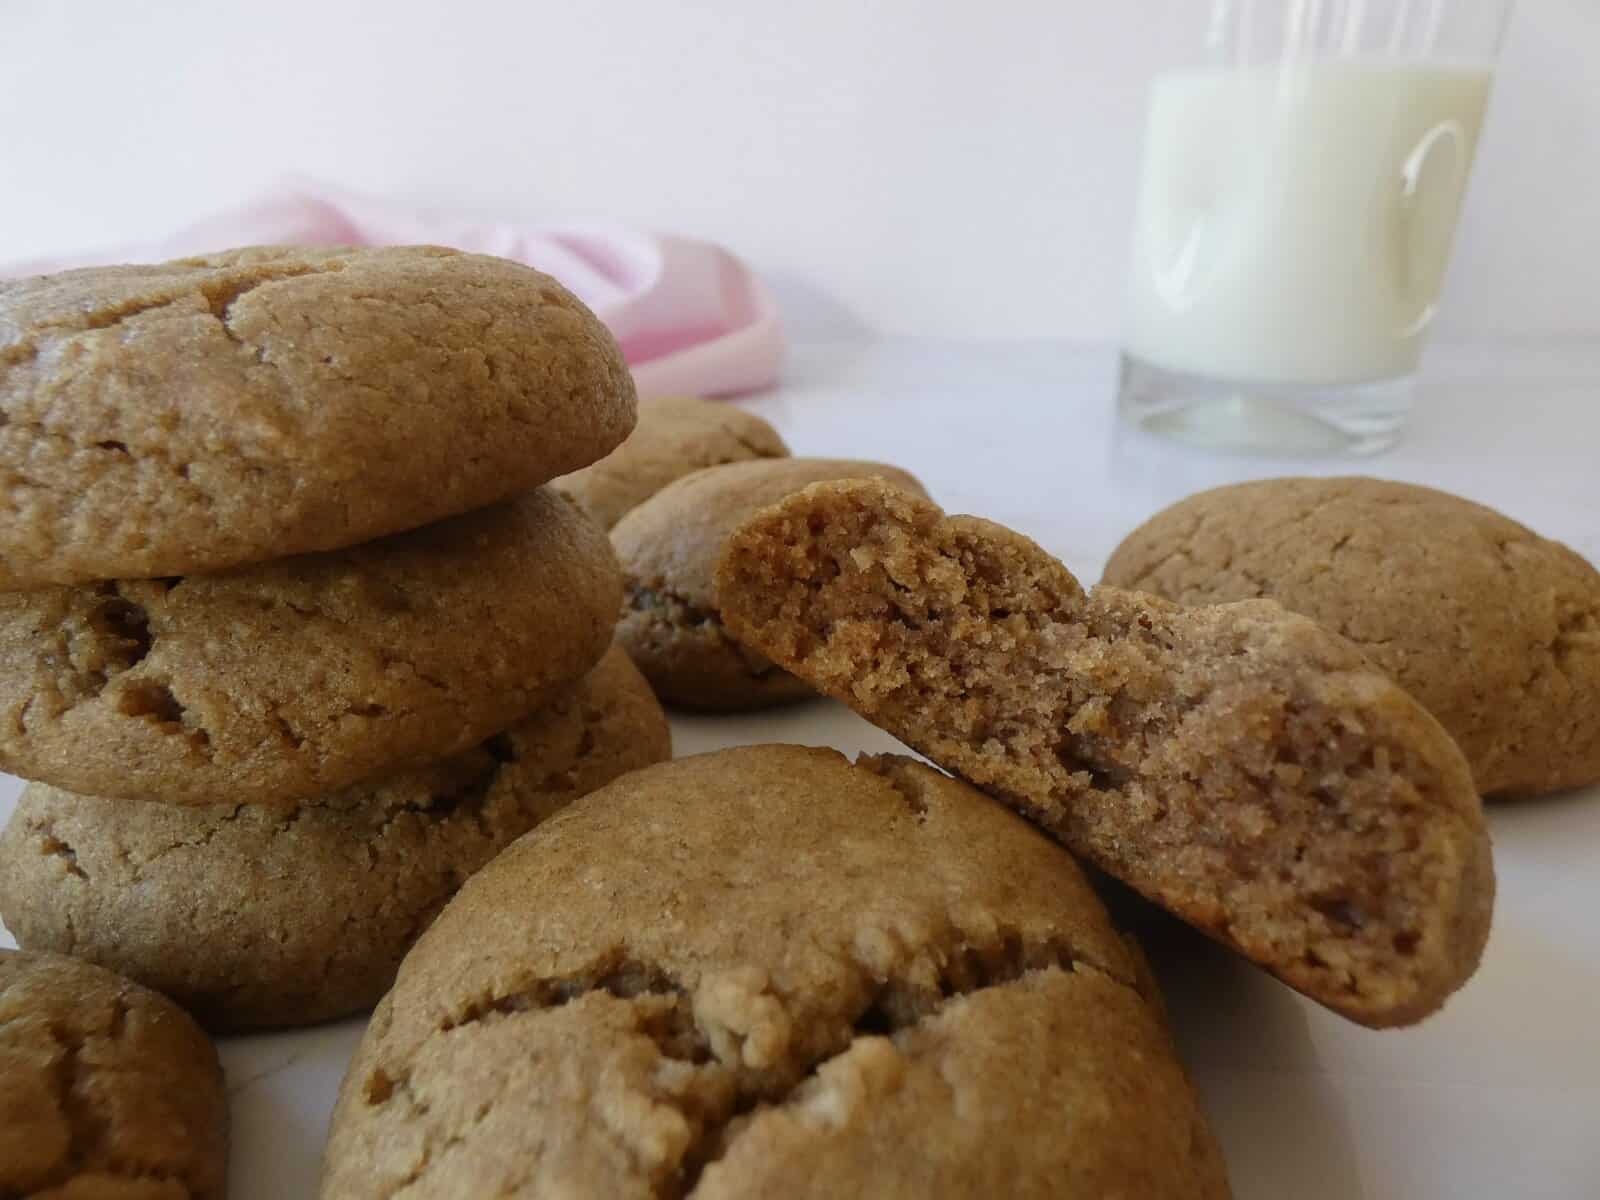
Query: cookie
x=1237, y=764
x=110, y=1091
x=669, y=546
x=283, y=680
x=195, y=415
x=1494, y=628
x=208, y=904
x=767, y=972
x=673, y=438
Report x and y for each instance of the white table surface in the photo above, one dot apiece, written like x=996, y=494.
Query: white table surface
x=1498, y=1095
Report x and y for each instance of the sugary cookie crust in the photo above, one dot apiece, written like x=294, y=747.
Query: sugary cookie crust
x=285, y=680
x=762, y=972
x=108, y=1091
x=208, y=904
x=191, y=416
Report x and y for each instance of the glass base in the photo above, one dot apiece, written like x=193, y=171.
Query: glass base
x=1256, y=418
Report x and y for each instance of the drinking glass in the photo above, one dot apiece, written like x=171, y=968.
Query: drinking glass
x=1298, y=196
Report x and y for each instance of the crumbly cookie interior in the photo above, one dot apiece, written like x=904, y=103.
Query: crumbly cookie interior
x=1237, y=764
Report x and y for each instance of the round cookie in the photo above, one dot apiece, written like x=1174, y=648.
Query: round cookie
x=1494, y=629
x=194, y=415
x=283, y=680
x=672, y=439
x=109, y=1092
x=768, y=972
x=669, y=547
x=209, y=904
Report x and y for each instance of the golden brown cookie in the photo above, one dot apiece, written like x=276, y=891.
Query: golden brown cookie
x=669, y=546
x=767, y=972
x=673, y=438
x=108, y=1091
x=1494, y=628
x=195, y=415
x=274, y=682
x=1237, y=764
x=209, y=904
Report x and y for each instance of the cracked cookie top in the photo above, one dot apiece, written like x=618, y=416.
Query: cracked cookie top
x=669, y=547
x=110, y=1090
x=280, y=681
x=195, y=415
x=766, y=971
x=208, y=904
x=1495, y=629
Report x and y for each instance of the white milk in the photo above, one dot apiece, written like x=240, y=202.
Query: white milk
x=1294, y=222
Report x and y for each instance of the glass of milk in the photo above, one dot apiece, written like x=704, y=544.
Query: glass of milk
x=1297, y=200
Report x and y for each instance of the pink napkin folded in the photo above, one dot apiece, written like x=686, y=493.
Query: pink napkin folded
x=690, y=317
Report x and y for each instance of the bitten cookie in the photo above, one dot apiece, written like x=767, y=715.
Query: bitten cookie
x=1237, y=764
x=107, y=1091
x=195, y=415
x=1495, y=629
x=208, y=905
x=673, y=438
x=669, y=546
x=279, y=681
x=767, y=972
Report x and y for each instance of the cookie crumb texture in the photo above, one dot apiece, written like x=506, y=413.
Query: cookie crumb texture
x=107, y=1091
x=767, y=972
x=669, y=547
x=1237, y=764
x=673, y=438
x=286, y=680
x=194, y=415
x=1494, y=628
x=208, y=904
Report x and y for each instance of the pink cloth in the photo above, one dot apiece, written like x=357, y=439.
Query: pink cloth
x=690, y=317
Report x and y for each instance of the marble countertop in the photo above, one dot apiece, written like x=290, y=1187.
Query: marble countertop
x=1498, y=1095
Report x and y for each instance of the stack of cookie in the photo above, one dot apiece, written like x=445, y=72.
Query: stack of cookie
x=289, y=616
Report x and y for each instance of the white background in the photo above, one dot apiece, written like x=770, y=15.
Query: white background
x=931, y=167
